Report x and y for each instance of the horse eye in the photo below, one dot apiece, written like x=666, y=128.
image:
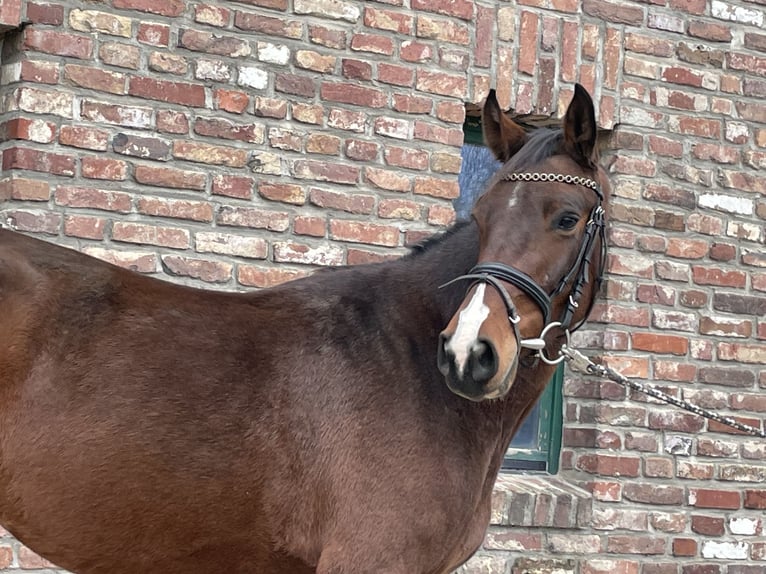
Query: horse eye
x=567, y=222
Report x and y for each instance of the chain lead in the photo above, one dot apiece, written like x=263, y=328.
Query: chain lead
x=581, y=363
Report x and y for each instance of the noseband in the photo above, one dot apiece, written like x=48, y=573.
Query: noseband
x=495, y=273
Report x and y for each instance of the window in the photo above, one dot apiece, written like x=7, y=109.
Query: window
x=537, y=444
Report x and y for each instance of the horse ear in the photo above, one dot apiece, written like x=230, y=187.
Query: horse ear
x=580, y=129
x=501, y=134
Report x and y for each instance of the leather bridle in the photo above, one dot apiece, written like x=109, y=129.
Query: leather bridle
x=495, y=273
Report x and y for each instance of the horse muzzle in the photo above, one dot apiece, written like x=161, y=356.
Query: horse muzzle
x=476, y=375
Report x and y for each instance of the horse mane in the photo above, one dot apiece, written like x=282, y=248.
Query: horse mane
x=431, y=242
x=541, y=144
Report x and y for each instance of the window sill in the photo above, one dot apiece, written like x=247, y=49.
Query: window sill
x=539, y=501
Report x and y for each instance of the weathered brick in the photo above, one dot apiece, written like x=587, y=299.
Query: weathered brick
x=203, y=41
x=170, y=177
x=227, y=244
x=143, y=147
x=36, y=160
x=170, y=8
x=175, y=208
x=266, y=277
x=129, y=232
x=362, y=232
x=85, y=197
x=58, y=43
x=282, y=192
x=326, y=171
x=211, y=154
x=85, y=227
x=293, y=252
x=95, y=167
x=255, y=218
x=204, y=270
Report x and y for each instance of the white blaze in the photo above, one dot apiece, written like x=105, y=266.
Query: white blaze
x=469, y=322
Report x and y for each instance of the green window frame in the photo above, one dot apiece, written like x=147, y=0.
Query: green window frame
x=537, y=445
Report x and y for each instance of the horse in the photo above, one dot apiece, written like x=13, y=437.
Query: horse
x=353, y=421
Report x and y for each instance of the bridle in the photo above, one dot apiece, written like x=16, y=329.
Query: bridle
x=495, y=273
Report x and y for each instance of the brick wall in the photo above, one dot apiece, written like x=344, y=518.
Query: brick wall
x=237, y=145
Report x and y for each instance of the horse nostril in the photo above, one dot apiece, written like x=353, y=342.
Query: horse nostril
x=444, y=357
x=483, y=361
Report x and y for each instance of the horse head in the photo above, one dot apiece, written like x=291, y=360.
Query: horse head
x=541, y=250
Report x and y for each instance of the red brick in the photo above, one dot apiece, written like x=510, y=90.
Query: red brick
x=269, y=25
x=412, y=104
x=353, y=94
x=176, y=208
x=36, y=130
x=396, y=74
x=203, y=41
x=254, y=218
x=24, y=189
x=528, y=42
x=266, y=277
x=709, y=498
x=233, y=186
x=34, y=221
x=441, y=84
x=609, y=465
x=226, y=129
x=183, y=93
x=84, y=137
x=462, y=9
x=86, y=227
x=684, y=547
x=708, y=525
x=351, y=203
x=634, y=544
x=170, y=8
x=283, y=192
x=433, y=133
x=58, y=43
x=170, y=177
x=210, y=154
x=360, y=150
x=326, y=171
x=442, y=30
x=40, y=72
x=36, y=160
x=150, y=234
x=411, y=51
x=389, y=20
x=85, y=197
x=307, y=225
x=293, y=252
x=363, y=232
x=398, y=209
x=613, y=12
x=128, y=116
x=659, y=343
x=96, y=167
x=95, y=79
x=323, y=144
x=233, y=101
x=755, y=499
x=373, y=43
x=10, y=14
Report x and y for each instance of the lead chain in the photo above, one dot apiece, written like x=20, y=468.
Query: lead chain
x=581, y=363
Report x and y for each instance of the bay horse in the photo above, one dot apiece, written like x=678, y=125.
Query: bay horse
x=351, y=422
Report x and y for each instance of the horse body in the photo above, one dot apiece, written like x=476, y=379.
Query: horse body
x=167, y=432
x=327, y=425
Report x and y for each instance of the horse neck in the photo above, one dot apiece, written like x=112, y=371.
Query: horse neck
x=440, y=262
